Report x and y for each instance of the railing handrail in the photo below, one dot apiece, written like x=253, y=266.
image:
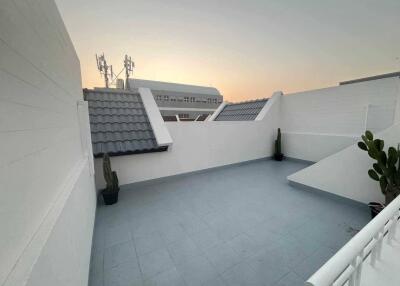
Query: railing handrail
x=345, y=257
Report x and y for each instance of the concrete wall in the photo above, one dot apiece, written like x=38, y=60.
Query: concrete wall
x=345, y=173
x=47, y=196
x=333, y=118
x=200, y=145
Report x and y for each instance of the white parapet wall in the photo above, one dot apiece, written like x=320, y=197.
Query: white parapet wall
x=157, y=123
x=321, y=122
x=345, y=173
x=200, y=145
x=48, y=199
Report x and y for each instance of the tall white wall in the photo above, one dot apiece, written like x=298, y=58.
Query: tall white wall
x=333, y=118
x=200, y=145
x=47, y=197
x=345, y=173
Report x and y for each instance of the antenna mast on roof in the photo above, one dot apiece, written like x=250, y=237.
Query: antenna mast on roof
x=128, y=65
x=104, y=69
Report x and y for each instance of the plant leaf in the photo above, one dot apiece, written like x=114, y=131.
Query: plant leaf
x=377, y=168
x=369, y=135
x=382, y=158
x=362, y=146
x=383, y=183
x=373, y=175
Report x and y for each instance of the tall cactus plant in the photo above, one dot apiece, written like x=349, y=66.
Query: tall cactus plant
x=386, y=169
x=109, y=175
x=278, y=149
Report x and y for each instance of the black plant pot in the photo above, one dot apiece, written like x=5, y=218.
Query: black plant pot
x=278, y=157
x=110, y=198
x=375, y=208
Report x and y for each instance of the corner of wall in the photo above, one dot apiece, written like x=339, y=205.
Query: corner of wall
x=397, y=110
x=274, y=100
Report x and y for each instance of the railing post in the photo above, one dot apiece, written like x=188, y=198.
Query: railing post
x=374, y=250
x=360, y=259
x=380, y=242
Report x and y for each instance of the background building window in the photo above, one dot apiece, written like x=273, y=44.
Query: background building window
x=186, y=99
x=192, y=99
x=166, y=97
x=183, y=115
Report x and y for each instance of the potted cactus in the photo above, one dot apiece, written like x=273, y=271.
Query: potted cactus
x=110, y=193
x=278, y=156
x=386, y=169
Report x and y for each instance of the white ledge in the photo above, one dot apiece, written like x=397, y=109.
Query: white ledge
x=157, y=123
x=268, y=105
x=218, y=111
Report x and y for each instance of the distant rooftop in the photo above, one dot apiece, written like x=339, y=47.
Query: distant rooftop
x=242, y=111
x=387, y=75
x=119, y=123
x=176, y=87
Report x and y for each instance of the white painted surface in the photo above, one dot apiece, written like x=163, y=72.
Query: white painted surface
x=170, y=86
x=345, y=173
x=333, y=117
x=218, y=111
x=157, y=123
x=197, y=146
x=369, y=258
x=271, y=102
x=314, y=146
x=41, y=147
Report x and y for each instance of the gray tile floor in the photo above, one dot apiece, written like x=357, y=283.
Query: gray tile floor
x=238, y=225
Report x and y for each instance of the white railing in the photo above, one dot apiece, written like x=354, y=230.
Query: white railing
x=347, y=264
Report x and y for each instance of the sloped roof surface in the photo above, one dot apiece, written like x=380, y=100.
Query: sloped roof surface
x=118, y=123
x=243, y=111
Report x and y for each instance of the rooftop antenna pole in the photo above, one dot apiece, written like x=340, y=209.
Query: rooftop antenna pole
x=128, y=65
x=104, y=69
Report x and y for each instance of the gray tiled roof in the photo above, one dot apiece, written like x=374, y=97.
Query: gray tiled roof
x=118, y=123
x=243, y=111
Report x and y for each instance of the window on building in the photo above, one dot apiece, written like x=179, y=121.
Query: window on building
x=173, y=99
x=208, y=100
x=183, y=115
x=215, y=100
x=186, y=99
x=158, y=97
x=192, y=99
x=166, y=97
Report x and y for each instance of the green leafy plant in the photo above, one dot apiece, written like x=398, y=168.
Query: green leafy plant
x=386, y=169
x=110, y=176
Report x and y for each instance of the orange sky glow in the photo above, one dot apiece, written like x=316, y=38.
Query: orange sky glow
x=246, y=49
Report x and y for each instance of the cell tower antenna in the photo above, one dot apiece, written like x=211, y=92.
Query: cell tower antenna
x=128, y=65
x=104, y=69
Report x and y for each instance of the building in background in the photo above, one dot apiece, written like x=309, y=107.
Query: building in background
x=181, y=101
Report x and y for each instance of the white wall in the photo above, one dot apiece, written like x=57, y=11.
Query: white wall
x=333, y=118
x=345, y=173
x=43, y=166
x=200, y=145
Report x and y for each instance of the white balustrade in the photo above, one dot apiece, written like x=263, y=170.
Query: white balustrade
x=346, y=265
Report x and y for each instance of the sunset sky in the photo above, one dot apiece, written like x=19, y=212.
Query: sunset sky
x=246, y=49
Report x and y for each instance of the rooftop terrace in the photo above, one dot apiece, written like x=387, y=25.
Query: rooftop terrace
x=236, y=225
